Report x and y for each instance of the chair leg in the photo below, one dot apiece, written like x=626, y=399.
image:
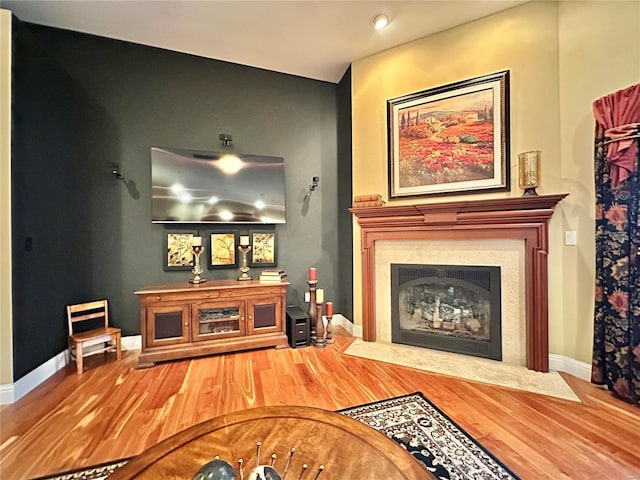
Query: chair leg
x=79, y=358
x=118, y=347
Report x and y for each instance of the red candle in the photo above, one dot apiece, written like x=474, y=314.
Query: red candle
x=312, y=273
x=329, y=309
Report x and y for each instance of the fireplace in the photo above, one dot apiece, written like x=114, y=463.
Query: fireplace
x=522, y=218
x=455, y=308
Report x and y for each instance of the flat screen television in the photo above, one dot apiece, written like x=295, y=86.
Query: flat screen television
x=195, y=186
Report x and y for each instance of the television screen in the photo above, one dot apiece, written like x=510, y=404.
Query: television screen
x=192, y=186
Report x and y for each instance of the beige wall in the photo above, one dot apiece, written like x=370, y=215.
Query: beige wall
x=599, y=53
x=533, y=41
x=6, y=344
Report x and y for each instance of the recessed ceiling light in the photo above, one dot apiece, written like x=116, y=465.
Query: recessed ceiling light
x=380, y=21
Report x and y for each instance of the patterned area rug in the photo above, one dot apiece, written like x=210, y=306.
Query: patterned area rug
x=445, y=450
x=435, y=440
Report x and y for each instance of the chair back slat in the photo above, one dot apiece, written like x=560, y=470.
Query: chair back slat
x=87, y=311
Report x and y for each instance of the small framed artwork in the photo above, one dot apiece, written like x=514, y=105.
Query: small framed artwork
x=223, y=249
x=263, y=248
x=450, y=139
x=178, y=251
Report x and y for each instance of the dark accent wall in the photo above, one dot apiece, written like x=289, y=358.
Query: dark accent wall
x=81, y=102
x=345, y=196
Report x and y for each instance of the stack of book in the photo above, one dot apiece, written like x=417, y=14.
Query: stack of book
x=368, y=201
x=273, y=276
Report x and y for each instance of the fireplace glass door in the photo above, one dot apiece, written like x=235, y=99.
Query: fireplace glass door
x=454, y=308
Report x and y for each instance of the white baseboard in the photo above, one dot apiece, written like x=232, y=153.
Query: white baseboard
x=568, y=365
x=11, y=393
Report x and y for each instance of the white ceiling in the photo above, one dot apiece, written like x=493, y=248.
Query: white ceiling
x=313, y=39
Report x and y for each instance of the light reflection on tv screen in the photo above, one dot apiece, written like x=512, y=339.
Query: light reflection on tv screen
x=193, y=186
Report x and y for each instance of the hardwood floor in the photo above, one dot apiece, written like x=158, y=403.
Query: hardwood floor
x=114, y=410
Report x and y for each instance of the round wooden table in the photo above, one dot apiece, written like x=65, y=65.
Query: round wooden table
x=347, y=448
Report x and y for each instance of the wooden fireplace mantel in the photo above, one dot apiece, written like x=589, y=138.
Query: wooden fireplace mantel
x=520, y=218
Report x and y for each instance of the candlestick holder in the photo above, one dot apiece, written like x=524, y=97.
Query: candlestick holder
x=243, y=266
x=319, y=328
x=329, y=336
x=312, y=308
x=197, y=269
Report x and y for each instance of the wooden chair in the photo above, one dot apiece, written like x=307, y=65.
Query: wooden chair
x=83, y=315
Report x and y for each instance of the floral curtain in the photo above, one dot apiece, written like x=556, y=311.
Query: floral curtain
x=616, y=346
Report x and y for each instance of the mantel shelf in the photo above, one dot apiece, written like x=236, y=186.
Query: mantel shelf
x=522, y=218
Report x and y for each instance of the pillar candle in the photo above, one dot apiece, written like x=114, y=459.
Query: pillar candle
x=244, y=240
x=319, y=295
x=312, y=273
x=329, y=311
x=196, y=242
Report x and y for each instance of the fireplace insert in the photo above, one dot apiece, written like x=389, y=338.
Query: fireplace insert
x=455, y=308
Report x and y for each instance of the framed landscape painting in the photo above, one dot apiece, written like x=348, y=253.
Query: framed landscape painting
x=263, y=249
x=178, y=252
x=451, y=139
x=223, y=248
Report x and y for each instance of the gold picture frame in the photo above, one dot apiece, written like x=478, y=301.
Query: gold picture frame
x=223, y=249
x=178, y=250
x=263, y=248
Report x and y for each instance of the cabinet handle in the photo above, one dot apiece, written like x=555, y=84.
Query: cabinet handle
x=208, y=295
x=157, y=298
x=186, y=324
x=250, y=317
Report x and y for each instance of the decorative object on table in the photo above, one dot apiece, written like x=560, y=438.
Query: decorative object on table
x=529, y=172
x=313, y=282
x=450, y=139
x=196, y=244
x=218, y=469
x=264, y=249
x=222, y=249
x=244, y=248
x=273, y=276
x=435, y=440
x=329, y=315
x=319, y=343
x=374, y=200
x=178, y=252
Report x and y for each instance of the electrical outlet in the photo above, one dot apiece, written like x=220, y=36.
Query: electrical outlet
x=570, y=237
x=307, y=297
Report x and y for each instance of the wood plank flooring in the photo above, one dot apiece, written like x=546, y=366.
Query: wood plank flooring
x=114, y=410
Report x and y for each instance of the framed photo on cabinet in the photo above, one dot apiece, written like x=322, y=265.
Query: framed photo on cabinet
x=263, y=248
x=178, y=249
x=223, y=249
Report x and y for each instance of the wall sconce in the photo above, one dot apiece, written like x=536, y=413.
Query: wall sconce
x=529, y=172
x=226, y=139
x=115, y=170
x=314, y=184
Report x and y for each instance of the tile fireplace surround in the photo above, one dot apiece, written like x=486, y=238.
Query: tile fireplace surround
x=513, y=218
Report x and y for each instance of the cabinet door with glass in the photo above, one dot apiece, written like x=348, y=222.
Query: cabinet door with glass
x=216, y=320
x=264, y=315
x=167, y=325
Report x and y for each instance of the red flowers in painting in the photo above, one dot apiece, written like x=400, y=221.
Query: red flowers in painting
x=455, y=149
